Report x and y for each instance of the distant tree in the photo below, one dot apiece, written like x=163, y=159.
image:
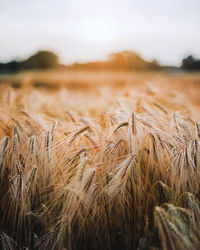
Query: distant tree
x=129, y=60
x=154, y=64
x=14, y=65
x=191, y=63
x=42, y=60
x=10, y=67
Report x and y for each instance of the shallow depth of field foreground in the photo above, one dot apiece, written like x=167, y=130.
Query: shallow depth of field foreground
x=100, y=161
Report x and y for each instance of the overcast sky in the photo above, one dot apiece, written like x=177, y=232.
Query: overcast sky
x=84, y=30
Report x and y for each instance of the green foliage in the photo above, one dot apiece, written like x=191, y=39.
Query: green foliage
x=191, y=63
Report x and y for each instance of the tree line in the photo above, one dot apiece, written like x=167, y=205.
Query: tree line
x=41, y=60
x=125, y=60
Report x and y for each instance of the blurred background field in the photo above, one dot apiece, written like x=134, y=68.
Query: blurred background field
x=96, y=85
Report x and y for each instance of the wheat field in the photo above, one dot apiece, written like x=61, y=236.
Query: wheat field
x=100, y=161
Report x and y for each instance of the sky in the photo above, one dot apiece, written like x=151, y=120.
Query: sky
x=86, y=30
